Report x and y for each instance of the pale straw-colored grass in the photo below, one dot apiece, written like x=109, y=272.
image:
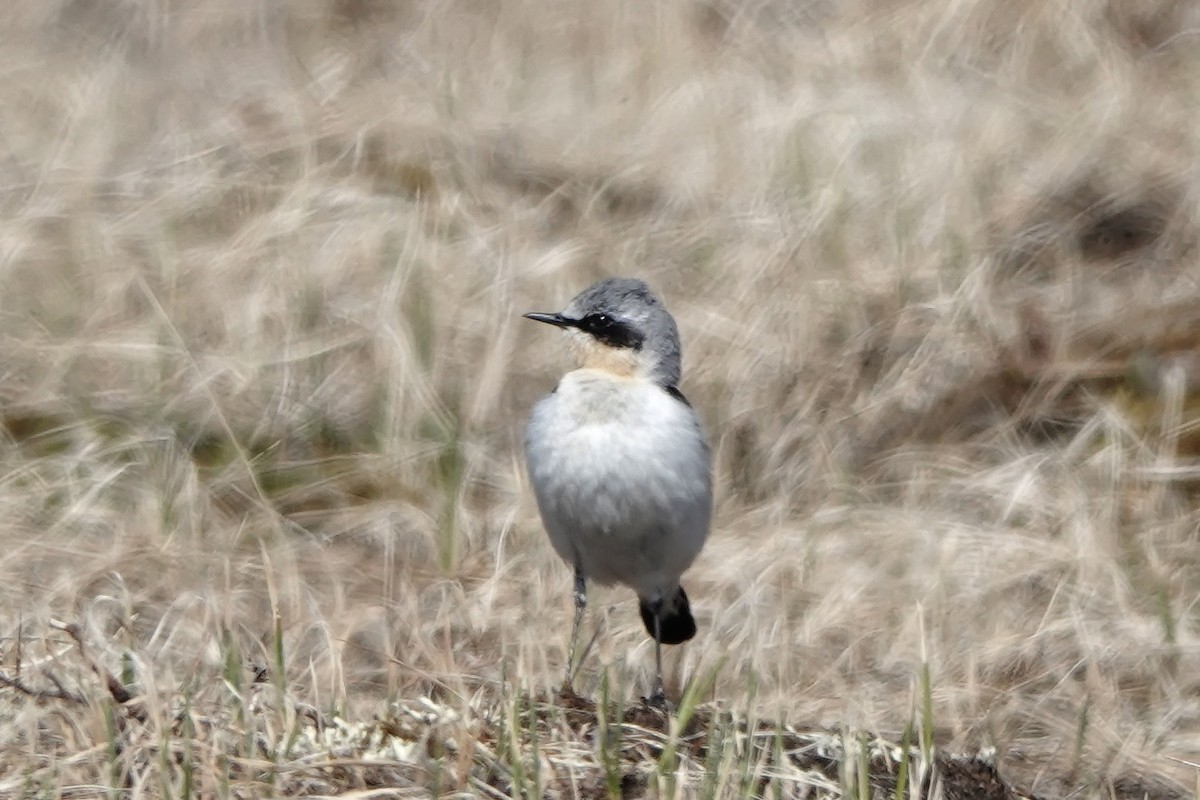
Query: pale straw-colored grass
x=263, y=373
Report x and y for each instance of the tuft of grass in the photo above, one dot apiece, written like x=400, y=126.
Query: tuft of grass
x=608, y=735
x=1081, y=731
x=925, y=690
x=450, y=474
x=903, y=788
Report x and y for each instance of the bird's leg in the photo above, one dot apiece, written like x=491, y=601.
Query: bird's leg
x=580, y=605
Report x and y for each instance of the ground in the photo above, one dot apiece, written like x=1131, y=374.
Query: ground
x=264, y=522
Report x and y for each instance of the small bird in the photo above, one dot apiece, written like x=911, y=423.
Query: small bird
x=619, y=462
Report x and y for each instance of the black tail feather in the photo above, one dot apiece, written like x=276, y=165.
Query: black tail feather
x=675, y=622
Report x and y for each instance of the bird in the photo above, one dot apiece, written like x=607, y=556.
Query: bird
x=619, y=461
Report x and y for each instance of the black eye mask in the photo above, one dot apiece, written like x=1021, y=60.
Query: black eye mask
x=612, y=332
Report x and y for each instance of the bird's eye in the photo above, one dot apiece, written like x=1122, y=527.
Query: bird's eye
x=599, y=322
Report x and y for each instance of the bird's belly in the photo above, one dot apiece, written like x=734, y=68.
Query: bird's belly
x=625, y=495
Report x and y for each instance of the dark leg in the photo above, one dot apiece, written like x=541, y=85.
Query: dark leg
x=580, y=605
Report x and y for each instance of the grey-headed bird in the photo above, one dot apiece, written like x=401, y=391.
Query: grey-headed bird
x=618, y=460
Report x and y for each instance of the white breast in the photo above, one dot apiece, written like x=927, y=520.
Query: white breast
x=621, y=473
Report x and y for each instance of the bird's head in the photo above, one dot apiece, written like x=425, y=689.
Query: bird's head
x=619, y=325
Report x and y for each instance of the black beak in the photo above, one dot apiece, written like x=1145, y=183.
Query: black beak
x=557, y=320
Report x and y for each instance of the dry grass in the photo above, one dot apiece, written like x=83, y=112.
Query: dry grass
x=264, y=376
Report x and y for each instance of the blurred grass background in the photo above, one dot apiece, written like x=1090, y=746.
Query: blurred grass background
x=262, y=267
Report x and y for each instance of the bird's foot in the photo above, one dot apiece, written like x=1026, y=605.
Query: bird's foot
x=658, y=698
